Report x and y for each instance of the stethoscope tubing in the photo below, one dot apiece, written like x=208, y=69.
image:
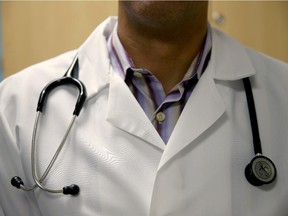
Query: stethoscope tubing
x=253, y=116
x=54, y=158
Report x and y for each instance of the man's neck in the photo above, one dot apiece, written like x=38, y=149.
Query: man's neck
x=167, y=53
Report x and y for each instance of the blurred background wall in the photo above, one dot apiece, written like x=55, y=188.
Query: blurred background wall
x=33, y=31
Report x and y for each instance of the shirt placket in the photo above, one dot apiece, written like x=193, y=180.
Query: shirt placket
x=165, y=109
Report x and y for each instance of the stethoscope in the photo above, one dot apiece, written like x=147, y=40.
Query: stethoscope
x=261, y=170
x=69, y=78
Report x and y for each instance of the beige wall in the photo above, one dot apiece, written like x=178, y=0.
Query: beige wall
x=37, y=30
x=262, y=25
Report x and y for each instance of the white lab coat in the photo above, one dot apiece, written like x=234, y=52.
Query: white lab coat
x=118, y=159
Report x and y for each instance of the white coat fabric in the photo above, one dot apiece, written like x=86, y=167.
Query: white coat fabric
x=118, y=159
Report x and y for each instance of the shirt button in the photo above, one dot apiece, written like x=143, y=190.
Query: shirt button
x=137, y=74
x=160, y=117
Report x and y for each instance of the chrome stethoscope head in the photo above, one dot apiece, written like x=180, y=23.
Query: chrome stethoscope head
x=68, y=79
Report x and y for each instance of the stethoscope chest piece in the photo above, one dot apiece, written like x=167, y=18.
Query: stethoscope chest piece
x=261, y=170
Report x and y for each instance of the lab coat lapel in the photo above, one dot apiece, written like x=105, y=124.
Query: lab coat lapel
x=204, y=107
x=125, y=113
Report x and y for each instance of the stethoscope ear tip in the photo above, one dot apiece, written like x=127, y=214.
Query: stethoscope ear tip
x=16, y=181
x=71, y=190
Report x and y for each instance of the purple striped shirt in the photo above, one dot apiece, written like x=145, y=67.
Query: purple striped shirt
x=162, y=110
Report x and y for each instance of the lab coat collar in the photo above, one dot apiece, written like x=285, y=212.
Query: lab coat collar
x=229, y=59
x=94, y=59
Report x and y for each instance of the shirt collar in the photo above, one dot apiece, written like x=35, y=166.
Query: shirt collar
x=120, y=59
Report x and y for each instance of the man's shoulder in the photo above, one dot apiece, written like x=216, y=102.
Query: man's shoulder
x=45, y=70
x=30, y=81
x=259, y=60
x=263, y=62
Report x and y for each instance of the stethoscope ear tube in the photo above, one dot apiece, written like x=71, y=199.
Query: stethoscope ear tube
x=59, y=82
x=17, y=182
